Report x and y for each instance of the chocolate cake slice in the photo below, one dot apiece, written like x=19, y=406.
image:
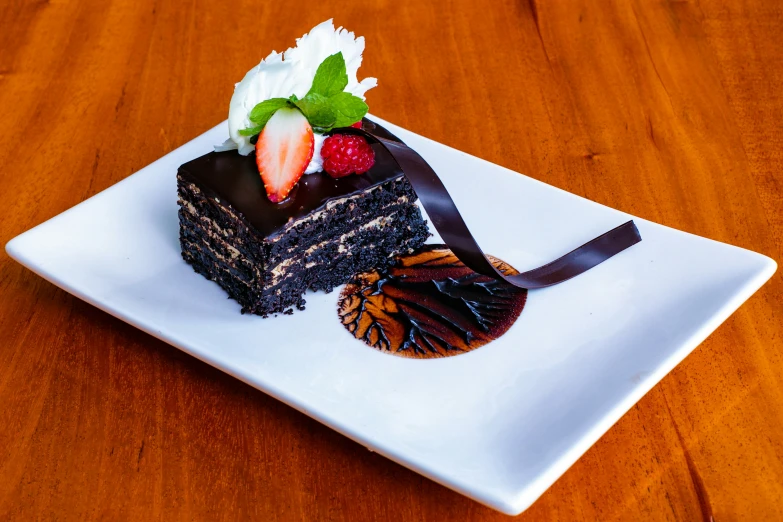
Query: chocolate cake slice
x=266, y=255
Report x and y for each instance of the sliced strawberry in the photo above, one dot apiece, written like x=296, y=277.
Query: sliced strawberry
x=283, y=151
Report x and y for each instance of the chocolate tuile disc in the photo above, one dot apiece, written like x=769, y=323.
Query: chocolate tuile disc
x=430, y=305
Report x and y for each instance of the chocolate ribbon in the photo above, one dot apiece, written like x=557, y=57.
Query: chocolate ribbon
x=452, y=228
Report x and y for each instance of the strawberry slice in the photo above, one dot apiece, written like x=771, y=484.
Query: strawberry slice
x=283, y=151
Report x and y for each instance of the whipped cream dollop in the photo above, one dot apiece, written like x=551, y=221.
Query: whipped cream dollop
x=280, y=75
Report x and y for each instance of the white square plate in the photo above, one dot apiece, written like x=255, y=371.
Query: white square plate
x=499, y=424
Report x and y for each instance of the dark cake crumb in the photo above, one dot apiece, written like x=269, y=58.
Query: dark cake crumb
x=270, y=274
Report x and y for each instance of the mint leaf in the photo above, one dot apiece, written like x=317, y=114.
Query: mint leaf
x=348, y=109
x=252, y=131
x=264, y=110
x=317, y=110
x=330, y=77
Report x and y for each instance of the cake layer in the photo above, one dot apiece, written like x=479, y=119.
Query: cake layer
x=337, y=261
x=377, y=235
x=230, y=224
x=221, y=244
x=268, y=274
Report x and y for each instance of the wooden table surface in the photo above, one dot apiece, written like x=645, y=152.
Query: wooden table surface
x=672, y=111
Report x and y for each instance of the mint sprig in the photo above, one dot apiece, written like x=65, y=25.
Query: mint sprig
x=326, y=106
x=264, y=110
x=331, y=77
x=317, y=110
x=348, y=109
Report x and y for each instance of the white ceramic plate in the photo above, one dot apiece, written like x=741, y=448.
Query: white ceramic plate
x=499, y=424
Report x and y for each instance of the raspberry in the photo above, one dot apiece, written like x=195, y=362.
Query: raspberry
x=345, y=154
x=357, y=125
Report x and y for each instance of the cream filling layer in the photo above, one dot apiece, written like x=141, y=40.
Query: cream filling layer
x=279, y=272
x=219, y=256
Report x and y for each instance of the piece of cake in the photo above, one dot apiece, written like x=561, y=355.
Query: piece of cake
x=297, y=205
x=266, y=255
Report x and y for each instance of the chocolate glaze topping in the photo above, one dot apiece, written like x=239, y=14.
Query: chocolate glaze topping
x=235, y=179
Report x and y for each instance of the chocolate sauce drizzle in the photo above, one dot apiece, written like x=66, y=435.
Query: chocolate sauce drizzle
x=430, y=305
x=449, y=223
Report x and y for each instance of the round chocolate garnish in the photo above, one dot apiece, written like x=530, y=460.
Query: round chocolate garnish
x=430, y=305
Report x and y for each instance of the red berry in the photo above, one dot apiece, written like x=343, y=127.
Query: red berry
x=357, y=125
x=345, y=154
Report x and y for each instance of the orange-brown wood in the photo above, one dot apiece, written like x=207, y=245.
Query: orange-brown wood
x=671, y=111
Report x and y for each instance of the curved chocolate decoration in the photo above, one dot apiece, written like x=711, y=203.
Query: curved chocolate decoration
x=452, y=228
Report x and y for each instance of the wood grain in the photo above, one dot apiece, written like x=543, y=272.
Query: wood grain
x=671, y=111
